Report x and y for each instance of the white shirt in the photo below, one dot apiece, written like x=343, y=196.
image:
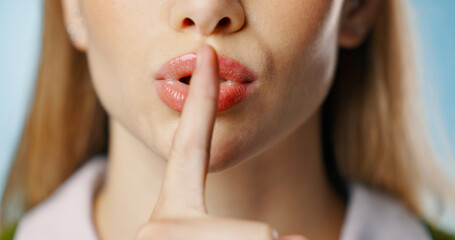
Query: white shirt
x=67, y=213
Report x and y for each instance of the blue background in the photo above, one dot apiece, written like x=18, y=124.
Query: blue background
x=20, y=23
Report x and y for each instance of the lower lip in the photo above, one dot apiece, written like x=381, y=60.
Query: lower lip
x=174, y=93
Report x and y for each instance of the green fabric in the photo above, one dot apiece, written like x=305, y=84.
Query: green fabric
x=438, y=234
x=8, y=234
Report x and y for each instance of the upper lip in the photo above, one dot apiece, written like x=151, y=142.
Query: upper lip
x=184, y=65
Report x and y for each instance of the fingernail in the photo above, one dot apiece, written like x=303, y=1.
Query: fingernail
x=275, y=234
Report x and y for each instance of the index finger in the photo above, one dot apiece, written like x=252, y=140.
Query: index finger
x=183, y=189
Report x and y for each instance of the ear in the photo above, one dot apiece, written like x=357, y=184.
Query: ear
x=357, y=18
x=75, y=23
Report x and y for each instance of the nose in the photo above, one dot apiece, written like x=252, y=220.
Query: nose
x=207, y=16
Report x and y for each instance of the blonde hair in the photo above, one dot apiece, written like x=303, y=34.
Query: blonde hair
x=370, y=115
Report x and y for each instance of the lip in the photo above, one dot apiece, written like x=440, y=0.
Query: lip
x=237, y=87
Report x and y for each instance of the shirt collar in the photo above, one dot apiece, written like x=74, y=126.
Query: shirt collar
x=374, y=215
x=67, y=214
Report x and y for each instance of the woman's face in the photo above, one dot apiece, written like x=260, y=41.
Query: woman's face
x=291, y=45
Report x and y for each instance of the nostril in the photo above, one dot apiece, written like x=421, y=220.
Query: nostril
x=187, y=22
x=224, y=22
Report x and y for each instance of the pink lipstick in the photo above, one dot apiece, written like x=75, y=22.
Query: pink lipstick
x=173, y=80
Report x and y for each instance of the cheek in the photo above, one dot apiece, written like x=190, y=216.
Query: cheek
x=121, y=40
x=304, y=52
x=303, y=61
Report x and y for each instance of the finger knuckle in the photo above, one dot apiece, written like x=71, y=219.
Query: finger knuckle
x=180, y=148
x=186, y=149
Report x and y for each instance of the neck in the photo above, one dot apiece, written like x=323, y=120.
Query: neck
x=284, y=186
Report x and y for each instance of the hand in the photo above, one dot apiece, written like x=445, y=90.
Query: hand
x=180, y=212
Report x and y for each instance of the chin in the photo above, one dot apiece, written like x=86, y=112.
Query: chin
x=222, y=164
x=226, y=155
x=219, y=165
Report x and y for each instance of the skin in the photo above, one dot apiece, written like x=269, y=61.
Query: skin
x=261, y=159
